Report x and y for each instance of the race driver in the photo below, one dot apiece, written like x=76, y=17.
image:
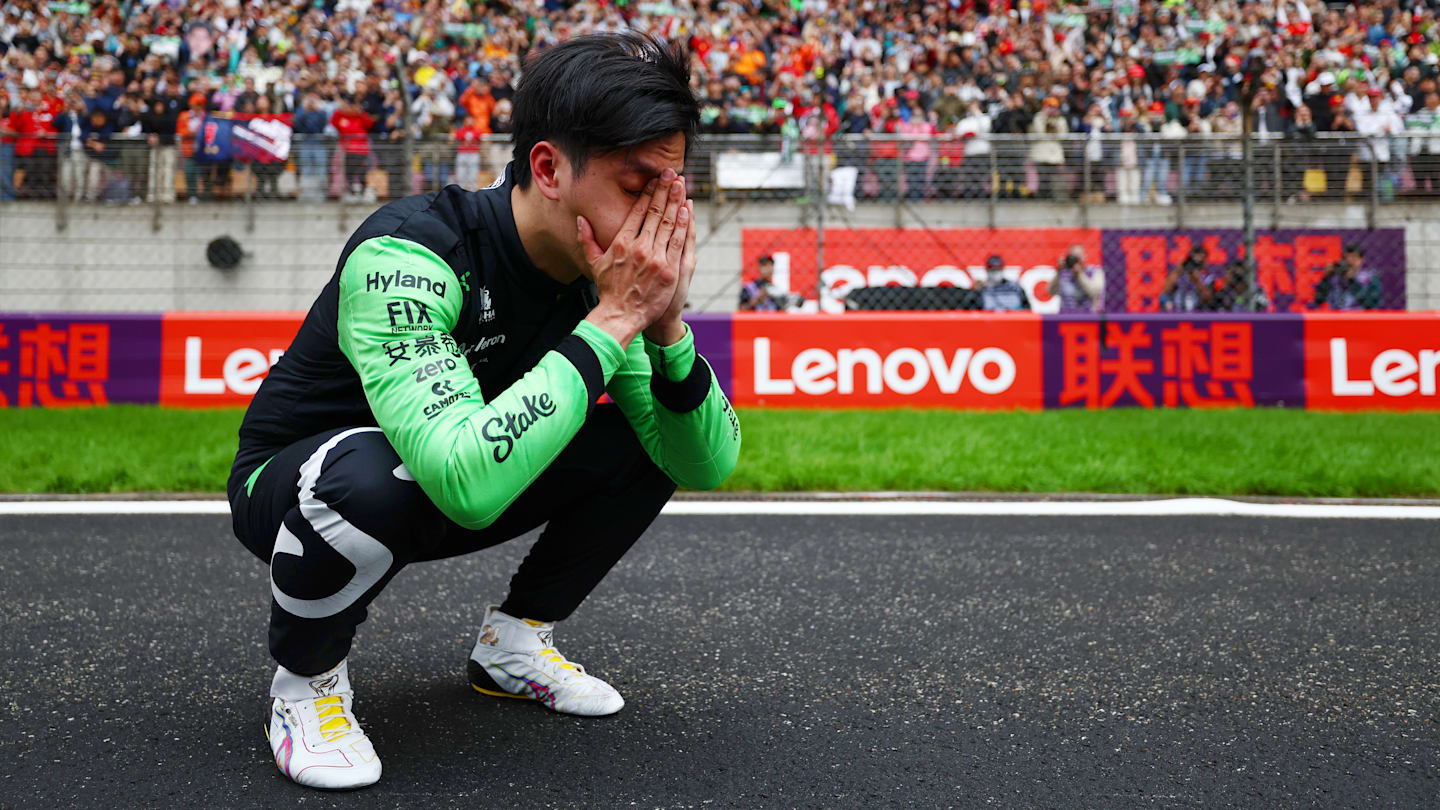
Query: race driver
x=441, y=397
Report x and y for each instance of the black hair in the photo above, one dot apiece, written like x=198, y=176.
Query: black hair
x=1354, y=247
x=601, y=94
x=767, y=259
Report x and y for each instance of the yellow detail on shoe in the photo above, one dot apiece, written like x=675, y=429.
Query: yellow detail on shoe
x=332, y=707
x=533, y=623
x=552, y=655
x=493, y=693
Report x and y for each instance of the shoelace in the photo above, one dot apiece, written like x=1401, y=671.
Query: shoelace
x=338, y=724
x=553, y=655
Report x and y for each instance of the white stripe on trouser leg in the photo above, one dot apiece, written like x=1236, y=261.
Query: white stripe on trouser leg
x=369, y=556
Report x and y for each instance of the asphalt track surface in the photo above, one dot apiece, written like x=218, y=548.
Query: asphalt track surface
x=767, y=662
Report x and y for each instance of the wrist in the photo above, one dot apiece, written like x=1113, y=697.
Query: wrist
x=615, y=323
x=665, y=332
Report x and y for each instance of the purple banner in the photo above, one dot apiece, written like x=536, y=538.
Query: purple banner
x=59, y=361
x=1290, y=264
x=1173, y=361
x=713, y=342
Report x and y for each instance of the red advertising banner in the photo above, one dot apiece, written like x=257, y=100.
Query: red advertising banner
x=933, y=257
x=989, y=361
x=1356, y=361
x=210, y=359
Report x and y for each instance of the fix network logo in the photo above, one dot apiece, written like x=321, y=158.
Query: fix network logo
x=415, y=314
x=505, y=432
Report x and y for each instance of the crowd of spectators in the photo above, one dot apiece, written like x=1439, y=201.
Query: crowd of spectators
x=82, y=73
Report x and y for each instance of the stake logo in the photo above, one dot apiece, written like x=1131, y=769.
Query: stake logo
x=506, y=431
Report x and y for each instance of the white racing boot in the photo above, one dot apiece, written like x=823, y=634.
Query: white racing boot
x=316, y=740
x=515, y=658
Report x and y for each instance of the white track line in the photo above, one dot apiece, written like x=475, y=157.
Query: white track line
x=1148, y=508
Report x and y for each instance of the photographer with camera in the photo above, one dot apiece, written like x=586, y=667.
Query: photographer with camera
x=1189, y=287
x=761, y=294
x=1347, y=285
x=1233, y=293
x=1081, y=287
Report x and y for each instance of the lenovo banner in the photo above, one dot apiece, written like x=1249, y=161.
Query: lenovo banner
x=1367, y=362
x=220, y=358
x=1129, y=267
x=931, y=360
x=932, y=257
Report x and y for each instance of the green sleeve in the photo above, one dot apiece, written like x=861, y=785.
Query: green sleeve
x=676, y=408
x=399, y=302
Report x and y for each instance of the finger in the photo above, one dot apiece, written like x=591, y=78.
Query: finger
x=687, y=258
x=667, y=228
x=587, y=240
x=637, y=211
x=656, y=211
x=676, y=246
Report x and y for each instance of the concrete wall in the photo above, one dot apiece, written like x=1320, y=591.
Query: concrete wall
x=152, y=258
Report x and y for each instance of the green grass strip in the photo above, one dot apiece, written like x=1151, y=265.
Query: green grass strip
x=1238, y=452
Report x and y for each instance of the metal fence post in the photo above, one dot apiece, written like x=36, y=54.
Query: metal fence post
x=715, y=196
x=994, y=182
x=62, y=212
x=407, y=144
x=1085, y=183
x=1179, y=186
x=1247, y=148
x=1374, y=197
x=250, y=199
x=819, y=216
x=899, y=181
x=1279, y=191
x=156, y=207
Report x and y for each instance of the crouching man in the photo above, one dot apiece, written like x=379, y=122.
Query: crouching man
x=441, y=398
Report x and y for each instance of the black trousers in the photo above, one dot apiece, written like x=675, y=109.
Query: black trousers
x=337, y=515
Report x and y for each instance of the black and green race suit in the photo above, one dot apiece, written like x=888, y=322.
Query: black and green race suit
x=478, y=367
x=439, y=398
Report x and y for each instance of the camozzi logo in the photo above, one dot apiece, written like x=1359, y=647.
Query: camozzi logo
x=1393, y=372
x=905, y=370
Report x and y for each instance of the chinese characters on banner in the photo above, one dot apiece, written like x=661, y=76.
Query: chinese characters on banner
x=1288, y=263
x=67, y=361
x=1173, y=362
